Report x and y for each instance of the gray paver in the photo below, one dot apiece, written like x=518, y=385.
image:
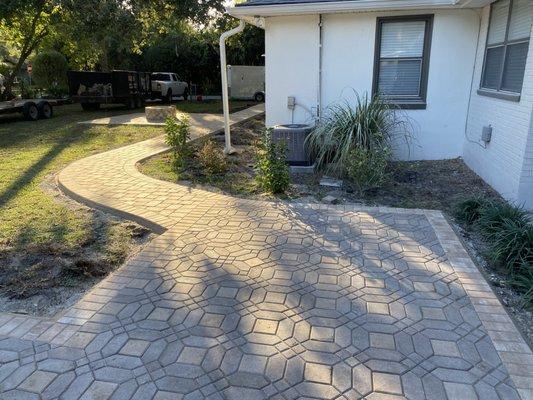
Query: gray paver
x=247, y=299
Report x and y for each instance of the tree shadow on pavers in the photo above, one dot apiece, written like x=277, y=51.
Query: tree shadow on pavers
x=245, y=304
x=221, y=338
x=430, y=308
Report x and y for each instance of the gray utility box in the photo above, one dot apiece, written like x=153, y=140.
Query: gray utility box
x=294, y=136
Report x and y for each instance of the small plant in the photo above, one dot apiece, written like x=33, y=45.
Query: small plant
x=366, y=169
x=469, y=211
x=177, y=135
x=271, y=166
x=212, y=159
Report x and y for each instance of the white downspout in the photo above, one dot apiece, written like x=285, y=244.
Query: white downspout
x=228, y=149
x=320, y=57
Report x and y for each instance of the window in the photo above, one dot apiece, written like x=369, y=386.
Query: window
x=506, y=50
x=402, y=59
x=161, y=77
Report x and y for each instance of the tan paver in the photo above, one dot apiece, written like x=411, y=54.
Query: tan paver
x=254, y=300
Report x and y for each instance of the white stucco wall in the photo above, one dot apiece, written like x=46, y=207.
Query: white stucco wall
x=507, y=161
x=291, y=68
x=348, y=59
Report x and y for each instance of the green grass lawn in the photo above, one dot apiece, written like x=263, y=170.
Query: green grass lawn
x=32, y=150
x=32, y=221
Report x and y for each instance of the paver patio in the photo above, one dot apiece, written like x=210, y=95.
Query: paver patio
x=252, y=300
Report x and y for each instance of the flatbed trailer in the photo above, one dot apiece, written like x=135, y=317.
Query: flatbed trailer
x=31, y=109
x=91, y=89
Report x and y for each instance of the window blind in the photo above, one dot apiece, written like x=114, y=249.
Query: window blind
x=402, y=39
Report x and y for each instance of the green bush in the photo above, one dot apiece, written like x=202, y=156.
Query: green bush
x=369, y=125
x=511, y=246
x=366, y=169
x=508, y=233
x=211, y=158
x=494, y=214
x=469, y=211
x=271, y=166
x=27, y=91
x=50, y=70
x=177, y=131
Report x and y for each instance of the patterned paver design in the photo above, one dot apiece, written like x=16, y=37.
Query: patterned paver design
x=242, y=299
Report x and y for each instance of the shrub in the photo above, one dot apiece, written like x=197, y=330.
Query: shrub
x=469, y=211
x=512, y=245
x=50, y=69
x=508, y=233
x=212, y=159
x=494, y=215
x=370, y=125
x=366, y=169
x=177, y=135
x=271, y=166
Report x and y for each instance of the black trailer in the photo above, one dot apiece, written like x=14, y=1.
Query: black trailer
x=91, y=89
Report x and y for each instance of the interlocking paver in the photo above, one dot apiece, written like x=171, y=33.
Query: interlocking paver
x=248, y=299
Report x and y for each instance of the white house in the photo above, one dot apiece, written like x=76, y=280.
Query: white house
x=455, y=66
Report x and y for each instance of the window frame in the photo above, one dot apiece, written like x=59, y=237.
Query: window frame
x=405, y=102
x=500, y=93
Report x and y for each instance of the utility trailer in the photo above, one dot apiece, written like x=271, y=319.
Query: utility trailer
x=31, y=109
x=91, y=89
x=246, y=82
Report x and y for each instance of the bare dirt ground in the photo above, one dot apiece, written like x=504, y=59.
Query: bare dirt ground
x=43, y=280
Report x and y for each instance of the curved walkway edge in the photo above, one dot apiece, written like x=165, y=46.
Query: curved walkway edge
x=243, y=299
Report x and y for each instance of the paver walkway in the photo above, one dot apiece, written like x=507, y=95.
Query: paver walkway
x=242, y=299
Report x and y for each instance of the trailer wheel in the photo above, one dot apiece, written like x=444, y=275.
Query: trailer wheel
x=45, y=110
x=30, y=111
x=90, y=106
x=259, y=97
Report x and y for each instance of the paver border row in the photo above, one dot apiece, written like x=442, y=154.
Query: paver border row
x=508, y=341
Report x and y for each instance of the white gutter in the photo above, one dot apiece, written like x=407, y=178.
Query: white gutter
x=228, y=149
x=348, y=6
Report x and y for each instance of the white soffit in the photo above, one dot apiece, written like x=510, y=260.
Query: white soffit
x=271, y=10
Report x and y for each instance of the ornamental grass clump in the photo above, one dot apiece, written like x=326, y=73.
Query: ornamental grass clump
x=177, y=131
x=271, y=166
x=353, y=141
x=469, y=211
x=508, y=232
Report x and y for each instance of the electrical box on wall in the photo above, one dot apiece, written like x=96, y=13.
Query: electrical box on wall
x=291, y=102
x=486, y=134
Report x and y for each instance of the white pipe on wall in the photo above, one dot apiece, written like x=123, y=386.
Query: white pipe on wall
x=228, y=149
x=320, y=57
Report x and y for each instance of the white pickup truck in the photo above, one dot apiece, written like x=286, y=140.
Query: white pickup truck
x=165, y=85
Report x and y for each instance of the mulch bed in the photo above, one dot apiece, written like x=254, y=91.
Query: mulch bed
x=412, y=184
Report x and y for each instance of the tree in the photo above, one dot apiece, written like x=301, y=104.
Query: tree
x=24, y=24
x=50, y=69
